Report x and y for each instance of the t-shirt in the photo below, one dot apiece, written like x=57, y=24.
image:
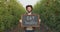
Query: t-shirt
x=29, y=28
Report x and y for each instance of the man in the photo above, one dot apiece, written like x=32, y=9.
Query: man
x=29, y=9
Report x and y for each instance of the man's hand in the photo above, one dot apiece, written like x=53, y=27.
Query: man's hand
x=20, y=21
x=39, y=20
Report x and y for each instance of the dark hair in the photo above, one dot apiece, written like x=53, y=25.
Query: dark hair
x=29, y=6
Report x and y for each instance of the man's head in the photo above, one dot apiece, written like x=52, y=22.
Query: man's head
x=29, y=8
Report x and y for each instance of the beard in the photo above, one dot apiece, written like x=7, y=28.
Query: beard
x=29, y=11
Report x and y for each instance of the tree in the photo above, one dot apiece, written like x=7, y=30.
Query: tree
x=49, y=11
x=10, y=12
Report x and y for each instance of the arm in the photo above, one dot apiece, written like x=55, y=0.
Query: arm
x=39, y=19
x=20, y=22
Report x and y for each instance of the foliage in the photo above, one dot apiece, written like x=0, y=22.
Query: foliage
x=49, y=11
x=10, y=12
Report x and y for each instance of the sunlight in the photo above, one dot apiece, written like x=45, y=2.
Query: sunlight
x=28, y=2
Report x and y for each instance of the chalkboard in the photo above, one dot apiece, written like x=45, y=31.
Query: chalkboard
x=30, y=20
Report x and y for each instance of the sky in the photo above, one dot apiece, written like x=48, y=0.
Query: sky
x=28, y=2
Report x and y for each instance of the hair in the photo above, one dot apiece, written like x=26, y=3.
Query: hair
x=29, y=6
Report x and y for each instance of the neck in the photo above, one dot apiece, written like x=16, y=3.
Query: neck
x=30, y=13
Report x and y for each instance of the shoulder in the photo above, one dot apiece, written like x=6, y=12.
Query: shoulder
x=35, y=14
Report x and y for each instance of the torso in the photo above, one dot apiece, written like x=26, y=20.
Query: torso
x=29, y=28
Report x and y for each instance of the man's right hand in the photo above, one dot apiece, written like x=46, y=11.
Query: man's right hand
x=20, y=21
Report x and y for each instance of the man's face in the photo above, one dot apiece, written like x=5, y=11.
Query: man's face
x=29, y=9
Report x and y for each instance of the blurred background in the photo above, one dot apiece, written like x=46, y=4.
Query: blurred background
x=11, y=11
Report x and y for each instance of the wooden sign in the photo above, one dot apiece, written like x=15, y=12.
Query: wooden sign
x=30, y=20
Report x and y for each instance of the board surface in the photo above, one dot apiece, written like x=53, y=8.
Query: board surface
x=30, y=20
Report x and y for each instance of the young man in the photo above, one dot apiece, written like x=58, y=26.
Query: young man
x=29, y=9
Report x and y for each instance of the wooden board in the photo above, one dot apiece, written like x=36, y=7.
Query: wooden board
x=30, y=20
